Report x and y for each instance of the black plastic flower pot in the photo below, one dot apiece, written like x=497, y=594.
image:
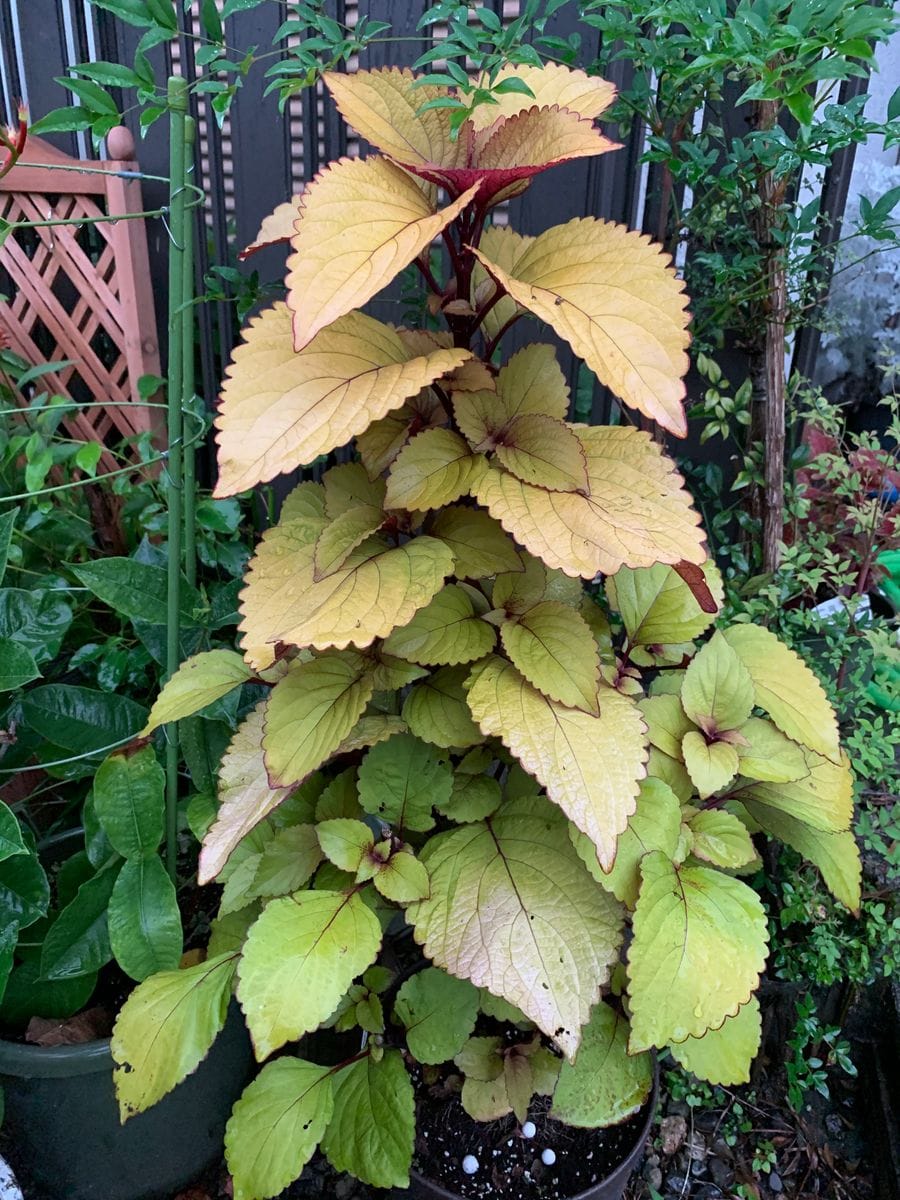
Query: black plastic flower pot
x=612, y=1187
x=61, y=1132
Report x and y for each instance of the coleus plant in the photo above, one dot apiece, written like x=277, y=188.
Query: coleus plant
x=459, y=738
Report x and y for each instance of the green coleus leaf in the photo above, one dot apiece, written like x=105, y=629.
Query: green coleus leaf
x=401, y=779
x=553, y=647
x=145, y=932
x=276, y=1125
x=166, y=1028
x=473, y=798
x=724, y=1055
x=129, y=800
x=402, y=878
x=345, y=842
x=654, y=825
x=300, y=957
x=769, y=755
x=721, y=839
x=605, y=1084
x=372, y=1130
x=823, y=798
x=717, y=691
x=698, y=949
x=447, y=631
x=518, y=871
x=438, y=1012
x=436, y=710
x=286, y=862
x=656, y=605
x=199, y=681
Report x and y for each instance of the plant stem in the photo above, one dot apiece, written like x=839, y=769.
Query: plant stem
x=178, y=104
x=187, y=366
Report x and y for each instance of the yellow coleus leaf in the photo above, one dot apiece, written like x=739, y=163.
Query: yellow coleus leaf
x=277, y=227
x=613, y=295
x=589, y=765
x=361, y=221
x=537, y=138
x=698, y=950
x=307, y=499
x=199, y=681
x=530, y=384
x=786, y=688
x=340, y=537
x=434, y=469
x=504, y=247
x=478, y=542
x=835, y=854
x=721, y=838
x=445, y=632
x=280, y=409
x=514, y=911
x=636, y=511
x=515, y=593
x=369, y=731
x=310, y=712
x=553, y=647
x=823, y=798
x=245, y=795
x=667, y=723
x=657, y=607
x=711, y=765
x=768, y=755
x=301, y=955
x=375, y=588
x=382, y=441
x=605, y=1084
x=717, y=691
x=436, y=710
x=545, y=452
x=385, y=108
x=587, y=95
x=724, y=1056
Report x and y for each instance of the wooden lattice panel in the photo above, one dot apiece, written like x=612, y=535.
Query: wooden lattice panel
x=81, y=292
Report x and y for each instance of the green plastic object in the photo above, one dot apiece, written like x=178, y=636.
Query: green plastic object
x=884, y=690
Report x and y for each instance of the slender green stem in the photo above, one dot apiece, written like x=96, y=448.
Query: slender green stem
x=178, y=103
x=187, y=367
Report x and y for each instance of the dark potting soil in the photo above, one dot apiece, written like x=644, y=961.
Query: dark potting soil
x=509, y=1164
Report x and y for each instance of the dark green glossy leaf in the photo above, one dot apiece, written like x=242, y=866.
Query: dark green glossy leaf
x=17, y=665
x=36, y=620
x=78, y=940
x=129, y=800
x=24, y=891
x=9, y=935
x=80, y=719
x=27, y=996
x=10, y=836
x=7, y=521
x=137, y=590
x=203, y=742
x=71, y=875
x=144, y=922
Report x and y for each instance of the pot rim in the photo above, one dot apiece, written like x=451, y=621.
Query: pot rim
x=620, y=1174
x=54, y=1062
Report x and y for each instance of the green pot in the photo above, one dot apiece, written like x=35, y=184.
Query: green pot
x=61, y=1132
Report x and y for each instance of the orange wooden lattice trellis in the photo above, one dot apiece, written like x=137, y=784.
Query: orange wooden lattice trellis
x=82, y=292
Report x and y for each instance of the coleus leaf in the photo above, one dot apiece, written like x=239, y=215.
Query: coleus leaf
x=615, y=298
x=376, y=588
x=382, y=441
x=769, y=755
x=657, y=607
x=436, y=710
x=717, y=691
x=543, y=451
x=721, y=839
x=711, y=765
x=503, y=246
x=544, y=937
x=445, y=632
x=165, y=1029
x=347, y=487
x=400, y=781
x=361, y=222
x=724, y=1055
x=589, y=765
x=549, y=84
x=438, y=1012
x=276, y=1126
x=199, y=681
x=516, y=593
x=372, y=1131
x=553, y=647
x=434, y=469
x=823, y=798
x=478, y=542
x=401, y=877
x=655, y=824
x=531, y=383
x=245, y=795
x=687, y=921
x=310, y=711
x=280, y=409
x=301, y=955
x=636, y=511
x=345, y=842
x=276, y=228
x=341, y=536
x=786, y=688
x=605, y=1084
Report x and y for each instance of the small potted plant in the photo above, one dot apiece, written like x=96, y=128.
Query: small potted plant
x=472, y=773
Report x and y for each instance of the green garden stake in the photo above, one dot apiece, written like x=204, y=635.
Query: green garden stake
x=187, y=366
x=178, y=105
